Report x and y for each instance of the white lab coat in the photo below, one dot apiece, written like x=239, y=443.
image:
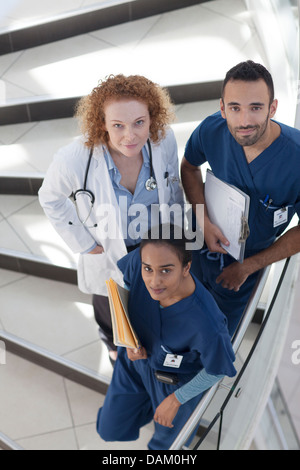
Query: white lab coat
x=66, y=175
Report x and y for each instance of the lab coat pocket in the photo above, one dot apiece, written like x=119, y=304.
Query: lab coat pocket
x=173, y=185
x=167, y=186
x=94, y=270
x=171, y=206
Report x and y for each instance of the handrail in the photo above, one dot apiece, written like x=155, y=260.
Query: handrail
x=279, y=392
x=276, y=425
x=251, y=308
x=196, y=416
x=7, y=444
x=278, y=291
x=297, y=117
x=219, y=415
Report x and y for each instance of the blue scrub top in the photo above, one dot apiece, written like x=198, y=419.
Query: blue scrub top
x=193, y=328
x=274, y=173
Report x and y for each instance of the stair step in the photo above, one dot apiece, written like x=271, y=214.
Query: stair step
x=27, y=149
x=34, y=265
x=54, y=362
x=42, y=410
x=39, y=109
x=161, y=47
x=29, y=242
x=21, y=185
x=55, y=317
x=85, y=21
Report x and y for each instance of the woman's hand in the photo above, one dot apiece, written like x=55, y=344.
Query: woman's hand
x=98, y=250
x=136, y=354
x=166, y=411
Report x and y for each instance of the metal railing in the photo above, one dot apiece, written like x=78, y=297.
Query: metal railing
x=7, y=444
x=260, y=343
x=198, y=413
x=281, y=421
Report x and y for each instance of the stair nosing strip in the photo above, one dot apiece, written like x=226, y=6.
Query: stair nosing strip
x=55, y=363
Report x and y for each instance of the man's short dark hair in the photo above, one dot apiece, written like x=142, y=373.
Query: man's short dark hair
x=250, y=71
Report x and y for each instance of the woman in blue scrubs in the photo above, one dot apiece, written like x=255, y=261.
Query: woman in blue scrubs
x=185, y=349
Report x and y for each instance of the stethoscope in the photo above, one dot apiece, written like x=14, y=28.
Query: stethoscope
x=150, y=185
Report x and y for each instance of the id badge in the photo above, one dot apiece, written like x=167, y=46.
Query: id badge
x=280, y=217
x=172, y=360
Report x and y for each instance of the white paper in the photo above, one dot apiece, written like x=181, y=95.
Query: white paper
x=226, y=206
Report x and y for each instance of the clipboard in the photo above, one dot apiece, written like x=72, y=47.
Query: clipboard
x=123, y=332
x=228, y=208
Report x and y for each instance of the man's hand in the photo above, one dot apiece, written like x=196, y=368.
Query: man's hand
x=166, y=411
x=234, y=276
x=194, y=189
x=136, y=354
x=214, y=237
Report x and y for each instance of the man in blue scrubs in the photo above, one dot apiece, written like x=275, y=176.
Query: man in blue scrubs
x=245, y=147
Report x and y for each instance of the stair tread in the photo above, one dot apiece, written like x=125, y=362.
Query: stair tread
x=27, y=149
x=41, y=410
x=53, y=69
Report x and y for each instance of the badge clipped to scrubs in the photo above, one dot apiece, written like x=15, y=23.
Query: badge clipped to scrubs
x=280, y=216
x=172, y=360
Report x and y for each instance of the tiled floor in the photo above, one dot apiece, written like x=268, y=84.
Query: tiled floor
x=37, y=408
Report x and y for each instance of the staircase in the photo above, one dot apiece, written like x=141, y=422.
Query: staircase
x=57, y=370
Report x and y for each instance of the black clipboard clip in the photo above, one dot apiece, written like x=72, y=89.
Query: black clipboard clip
x=245, y=230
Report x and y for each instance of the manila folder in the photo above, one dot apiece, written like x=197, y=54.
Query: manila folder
x=123, y=332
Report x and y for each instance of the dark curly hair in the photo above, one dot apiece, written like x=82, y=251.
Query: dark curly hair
x=90, y=109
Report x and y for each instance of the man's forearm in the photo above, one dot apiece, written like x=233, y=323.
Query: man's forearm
x=286, y=246
x=191, y=177
x=192, y=182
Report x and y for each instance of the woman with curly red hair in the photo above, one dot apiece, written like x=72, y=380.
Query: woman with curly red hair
x=123, y=173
